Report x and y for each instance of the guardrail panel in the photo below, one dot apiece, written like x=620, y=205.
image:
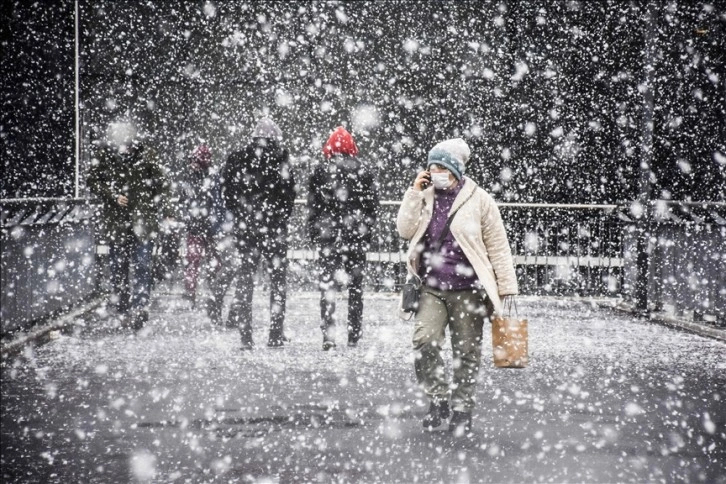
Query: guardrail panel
x=48, y=257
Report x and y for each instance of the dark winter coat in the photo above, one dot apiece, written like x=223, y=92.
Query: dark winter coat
x=258, y=188
x=342, y=204
x=138, y=176
x=201, y=201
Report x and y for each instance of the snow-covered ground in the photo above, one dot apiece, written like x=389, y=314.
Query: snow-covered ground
x=606, y=398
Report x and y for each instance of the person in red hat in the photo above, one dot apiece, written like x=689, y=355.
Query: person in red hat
x=343, y=207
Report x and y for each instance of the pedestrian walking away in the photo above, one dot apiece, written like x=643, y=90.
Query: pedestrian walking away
x=200, y=198
x=127, y=177
x=258, y=189
x=459, y=251
x=343, y=206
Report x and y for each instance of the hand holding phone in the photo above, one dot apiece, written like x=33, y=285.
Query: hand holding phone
x=423, y=180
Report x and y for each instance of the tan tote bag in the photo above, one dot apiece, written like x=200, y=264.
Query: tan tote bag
x=509, y=339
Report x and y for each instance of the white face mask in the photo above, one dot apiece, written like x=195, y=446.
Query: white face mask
x=440, y=180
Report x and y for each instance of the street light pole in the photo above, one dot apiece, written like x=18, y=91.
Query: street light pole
x=76, y=192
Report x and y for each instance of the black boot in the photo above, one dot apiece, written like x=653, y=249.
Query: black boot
x=354, y=334
x=460, y=423
x=437, y=413
x=139, y=317
x=214, y=311
x=245, y=332
x=328, y=339
x=276, y=339
x=247, y=345
x=353, y=339
x=328, y=342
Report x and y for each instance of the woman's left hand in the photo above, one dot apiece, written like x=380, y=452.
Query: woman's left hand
x=423, y=180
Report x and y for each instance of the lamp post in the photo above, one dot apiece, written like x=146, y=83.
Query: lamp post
x=76, y=191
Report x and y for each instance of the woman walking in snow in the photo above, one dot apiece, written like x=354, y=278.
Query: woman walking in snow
x=201, y=201
x=459, y=251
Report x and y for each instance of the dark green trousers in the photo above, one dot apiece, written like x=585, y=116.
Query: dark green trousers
x=464, y=312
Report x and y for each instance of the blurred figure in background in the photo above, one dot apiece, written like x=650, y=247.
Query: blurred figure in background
x=258, y=189
x=200, y=213
x=134, y=190
x=166, y=248
x=342, y=211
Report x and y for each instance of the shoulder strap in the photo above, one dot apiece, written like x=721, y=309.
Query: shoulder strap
x=440, y=239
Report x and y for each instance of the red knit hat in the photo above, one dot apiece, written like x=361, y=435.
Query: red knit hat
x=340, y=142
x=202, y=156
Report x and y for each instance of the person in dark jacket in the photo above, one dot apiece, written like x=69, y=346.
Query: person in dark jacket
x=343, y=205
x=200, y=198
x=134, y=190
x=258, y=189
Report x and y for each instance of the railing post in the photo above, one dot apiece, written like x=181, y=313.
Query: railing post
x=644, y=215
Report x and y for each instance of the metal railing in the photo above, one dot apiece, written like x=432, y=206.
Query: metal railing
x=566, y=249
x=683, y=271
x=558, y=249
x=49, y=255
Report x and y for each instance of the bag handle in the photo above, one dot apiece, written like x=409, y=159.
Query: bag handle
x=509, y=303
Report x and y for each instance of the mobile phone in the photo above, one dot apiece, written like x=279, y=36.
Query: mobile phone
x=428, y=180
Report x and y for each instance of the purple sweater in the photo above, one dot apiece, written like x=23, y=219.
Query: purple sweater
x=448, y=269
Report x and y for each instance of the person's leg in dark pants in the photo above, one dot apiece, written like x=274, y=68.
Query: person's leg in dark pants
x=167, y=255
x=141, y=263
x=329, y=263
x=228, y=259
x=354, y=265
x=142, y=280
x=277, y=268
x=240, y=312
x=211, y=262
x=119, y=257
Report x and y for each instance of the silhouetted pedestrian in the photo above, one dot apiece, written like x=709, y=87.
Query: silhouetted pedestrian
x=128, y=179
x=258, y=189
x=343, y=208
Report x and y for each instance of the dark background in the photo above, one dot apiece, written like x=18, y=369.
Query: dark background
x=551, y=95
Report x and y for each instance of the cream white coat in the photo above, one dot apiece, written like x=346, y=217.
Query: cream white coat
x=477, y=228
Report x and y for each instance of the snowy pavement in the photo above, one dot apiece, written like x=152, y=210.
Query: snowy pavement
x=607, y=398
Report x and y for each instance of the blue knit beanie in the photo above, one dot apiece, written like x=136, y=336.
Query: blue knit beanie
x=452, y=154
